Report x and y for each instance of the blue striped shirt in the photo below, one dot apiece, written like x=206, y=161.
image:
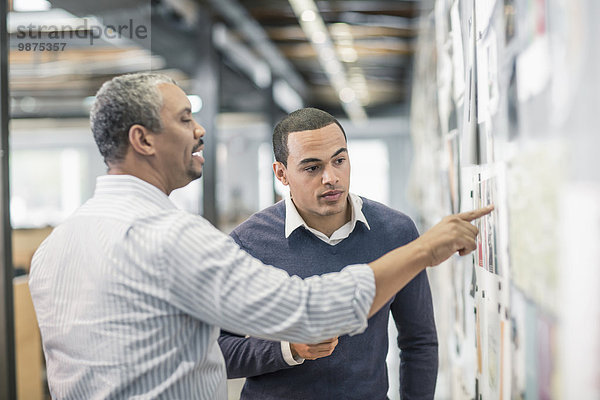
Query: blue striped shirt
x=130, y=293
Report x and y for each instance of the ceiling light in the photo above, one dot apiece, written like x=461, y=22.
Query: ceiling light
x=286, y=96
x=326, y=54
x=31, y=5
x=348, y=54
x=308, y=16
x=28, y=104
x=347, y=95
x=333, y=67
x=341, y=30
x=318, y=37
x=315, y=29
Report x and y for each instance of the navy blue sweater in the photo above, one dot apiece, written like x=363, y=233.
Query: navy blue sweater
x=357, y=368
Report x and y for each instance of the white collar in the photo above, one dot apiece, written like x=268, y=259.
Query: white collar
x=128, y=184
x=293, y=220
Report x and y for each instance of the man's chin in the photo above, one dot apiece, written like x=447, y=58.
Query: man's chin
x=332, y=210
x=194, y=175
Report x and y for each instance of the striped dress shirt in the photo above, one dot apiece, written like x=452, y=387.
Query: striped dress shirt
x=130, y=293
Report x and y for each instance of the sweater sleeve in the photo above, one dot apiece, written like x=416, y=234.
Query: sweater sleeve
x=248, y=356
x=412, y=309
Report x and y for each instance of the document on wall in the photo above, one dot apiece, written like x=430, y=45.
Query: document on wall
x=533, y=69
x=469, y=150
x=457, y=53
x=537, y=177
x=486, y=191
x=495, y=344
x=488, y=93
x=534, y=63
x=518, y=316
x=444, y=67
x=484, y=10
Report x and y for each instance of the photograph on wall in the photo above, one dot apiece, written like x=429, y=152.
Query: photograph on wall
x=484, y=194
x=453, y=153
x=509, y=20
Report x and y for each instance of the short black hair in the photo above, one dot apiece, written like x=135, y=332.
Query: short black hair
x=304, y=119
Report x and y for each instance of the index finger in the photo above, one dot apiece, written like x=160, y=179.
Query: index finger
x=471, y=215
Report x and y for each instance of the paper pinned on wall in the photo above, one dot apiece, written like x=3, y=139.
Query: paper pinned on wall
x=546, y=353
x=469, y=350
x=536, y=175
x=533, y=69
x=491, y=354
x=444, y=67
x=531, y=352
x=484, y=194
x=469, y=150
x=509, y=20
x=452, y=143
x=518, y=315
x=488, y=93
x=457, y=53
x=483, y=93
x=491, y=46
x=494, y=346
x=484, y=10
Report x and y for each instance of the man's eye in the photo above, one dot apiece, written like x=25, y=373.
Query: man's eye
x=311, y=169
x=187, y=121
x=340, y=160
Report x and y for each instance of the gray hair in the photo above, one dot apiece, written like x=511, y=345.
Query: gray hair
x=122, y=102
x=304, y=119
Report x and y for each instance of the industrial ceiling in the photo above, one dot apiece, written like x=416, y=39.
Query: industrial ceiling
x=359, y=66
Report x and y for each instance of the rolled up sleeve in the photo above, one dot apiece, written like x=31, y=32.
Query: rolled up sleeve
x=230, y=289
x=363, y=293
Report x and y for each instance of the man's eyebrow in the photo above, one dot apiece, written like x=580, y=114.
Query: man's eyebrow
x=341, y=150
x=186, y=110
x=311, y=160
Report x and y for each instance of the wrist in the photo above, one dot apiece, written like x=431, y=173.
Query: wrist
x=288, y=357
x=423, y=255
x=293, y=351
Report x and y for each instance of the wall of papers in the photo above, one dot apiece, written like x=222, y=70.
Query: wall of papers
x=505, y=111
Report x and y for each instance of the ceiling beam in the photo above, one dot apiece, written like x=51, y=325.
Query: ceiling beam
x=239, y=18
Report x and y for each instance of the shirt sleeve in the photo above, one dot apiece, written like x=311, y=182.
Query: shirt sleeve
x=211, y=278
x=288, y=357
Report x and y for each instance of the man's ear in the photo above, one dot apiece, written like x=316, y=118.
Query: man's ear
x=280, y=172
x=141, y=140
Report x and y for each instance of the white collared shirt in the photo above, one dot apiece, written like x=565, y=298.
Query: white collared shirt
x=130, y=293
x=293, y=221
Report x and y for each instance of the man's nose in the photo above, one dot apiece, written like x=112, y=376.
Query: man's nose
x=199, y=131
x=329, y=176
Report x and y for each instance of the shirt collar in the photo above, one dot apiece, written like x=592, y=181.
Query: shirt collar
x=293, y=220
x=122, y=185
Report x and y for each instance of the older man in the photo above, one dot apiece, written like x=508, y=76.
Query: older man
x=130, y=291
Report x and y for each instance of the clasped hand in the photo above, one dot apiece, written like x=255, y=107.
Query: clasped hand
x=314, y=351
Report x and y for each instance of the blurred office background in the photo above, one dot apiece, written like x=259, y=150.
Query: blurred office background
x=447, y=104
